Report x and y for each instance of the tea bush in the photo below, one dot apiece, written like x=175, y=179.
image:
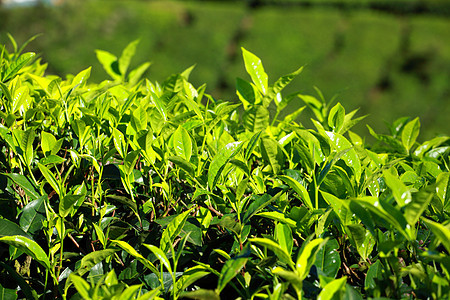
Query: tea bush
x=138, y=189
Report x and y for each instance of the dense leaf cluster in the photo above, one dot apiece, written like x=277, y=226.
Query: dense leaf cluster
x=138, y=189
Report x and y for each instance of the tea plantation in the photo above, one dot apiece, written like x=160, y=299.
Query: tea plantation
x=388, y=58
x=138, y=189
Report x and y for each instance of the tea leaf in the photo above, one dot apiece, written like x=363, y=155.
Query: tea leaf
x=255, y=69
x=256, y=118
x=160, y=255
x=328, y=260
x=119, y=142
x=336, y=117
x=28, y=246
x=182, y=143
x=201, y=294
x=258, y=204
x=350, y=157
x=27, y=185
x=109, y=63
x=283, y=234
x=299, y=189
x=230, y=270
x=410, y=133
x=32, y=215
x=401, y=193
x=81, y=285
x=275, y=248
x=333, y=289
x=172, y=230
x=374, y=274
x=8, y=228
x=50, y=178
x=130, y=250
x=220, y=160
x=125, y=58
x=441, y=232
x=93, y=258
x=443, y=188
x=272, y=153
x=247, y=92
x=16, y=65
x=307, y=257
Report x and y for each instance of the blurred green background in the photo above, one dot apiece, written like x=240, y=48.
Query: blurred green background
x=388, y=58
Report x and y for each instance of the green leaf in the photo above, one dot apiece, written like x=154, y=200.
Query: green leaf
x=299, y=189
x=8, y=228
x=16, y=65
x=100, y=235
x=80, y=79
x=290, y=276
x=247, y=92
x=182, y=143
x=220, y=160
x=52, y=159
x=190, y=276
x=252, y=143
x=27, y=185
x=401, y=192
x=414, y=209
x=137, y=73
x=256, y=118
x=68, y=201
x=32, y=215
x=50, y=178
x=183, y=164
x=258, y=204
x=336, y=117
x=161, y=256
x=441, y=232
x=20, y=96
x=109, y=63
x=280, y=253
x=307, y=257
x=150, y=295
x=29, y=247
x=26, y=144
x=255, y=69
x=130, y=250
x=381, y=209
x=125, y=58
x=130, y=161
x=131, y=292
x=443, y=188
x=328, y=260
x=374, y=274
x=283, y=81
x=362, y=239
x=350, y=157
x=93, y=258
x=159, y=104
x=333, y=289
x=283, y=234
x=119, y=142
x=410, y=133
x=231, y=268
x=7, y=294
x=172, y=230
x=201, y=294
x=277, y=216
x=273, y=154
x=81, y=286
